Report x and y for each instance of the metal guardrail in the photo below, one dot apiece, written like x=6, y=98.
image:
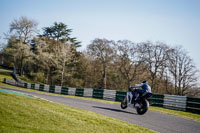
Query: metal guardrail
x=175, y=102
x=193, y=105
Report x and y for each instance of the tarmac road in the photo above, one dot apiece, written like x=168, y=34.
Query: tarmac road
x=159, y=122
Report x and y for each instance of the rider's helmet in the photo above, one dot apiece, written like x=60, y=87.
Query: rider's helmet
x=145, y=82
x=145, y=85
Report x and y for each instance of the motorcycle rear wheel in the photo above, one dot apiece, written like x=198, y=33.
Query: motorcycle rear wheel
x=144, y=105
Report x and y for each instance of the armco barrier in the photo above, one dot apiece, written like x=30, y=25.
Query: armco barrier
x=175, y=102
x=28, y=85
x=120, y=96
x=64, y=91
x=88, y=92
x=109, y=94
x=157, y=100
x=41, y=88
x=182, y=103
x=46, y=88
x=13, y=82
x=79, y=92
x=58, y=89
x=37, y=86
x=71, y=91
x=193, y=105
x=98, y=93
x=51, y=88
x=32, y=86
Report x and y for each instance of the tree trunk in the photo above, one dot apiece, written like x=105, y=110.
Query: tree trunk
x=62, y=74
x=104, y=77
x=21, y=66
x=128, y=83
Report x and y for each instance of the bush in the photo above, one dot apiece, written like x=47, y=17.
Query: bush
x=38, y=77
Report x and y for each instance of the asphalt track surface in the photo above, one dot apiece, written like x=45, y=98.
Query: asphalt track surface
x=159, y=122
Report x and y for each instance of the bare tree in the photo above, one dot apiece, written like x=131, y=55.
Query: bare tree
x=193, y=92
x=182, y=69
x=155, y=57
x=100, y=49
x=23, y=28
x=128, y=61
x=93, y=70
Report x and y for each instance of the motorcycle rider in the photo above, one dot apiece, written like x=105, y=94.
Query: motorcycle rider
x=137, y=92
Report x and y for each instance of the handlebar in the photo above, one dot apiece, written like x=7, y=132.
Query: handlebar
x=132, y=88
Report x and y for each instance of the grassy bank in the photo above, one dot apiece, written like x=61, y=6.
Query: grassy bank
x=22, y=114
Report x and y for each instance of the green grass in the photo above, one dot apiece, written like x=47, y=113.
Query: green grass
x=186, y=115
x=3, y=69
x=22, y=114
x=5, y=75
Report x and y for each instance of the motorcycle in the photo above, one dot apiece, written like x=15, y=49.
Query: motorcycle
x=142, y=103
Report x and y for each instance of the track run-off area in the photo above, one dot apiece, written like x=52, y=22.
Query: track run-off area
x=156, y=121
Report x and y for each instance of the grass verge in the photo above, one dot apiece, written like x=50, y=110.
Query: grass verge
x=22, y=114
x=187, y=115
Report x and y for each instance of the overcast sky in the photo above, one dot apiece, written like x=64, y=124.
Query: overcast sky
x=174, y=22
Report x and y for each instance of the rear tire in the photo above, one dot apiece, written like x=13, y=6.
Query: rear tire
x=144, y=107
x=124, y=103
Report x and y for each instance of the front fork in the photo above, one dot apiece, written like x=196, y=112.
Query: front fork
x=129, y=97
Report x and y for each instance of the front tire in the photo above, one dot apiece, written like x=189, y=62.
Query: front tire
x=144, y=107
x=124, y=103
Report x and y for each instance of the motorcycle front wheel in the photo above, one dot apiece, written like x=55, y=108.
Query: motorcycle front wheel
x=124, y=103
x=144, y=105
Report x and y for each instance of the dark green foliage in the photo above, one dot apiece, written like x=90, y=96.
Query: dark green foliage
x=60, y=32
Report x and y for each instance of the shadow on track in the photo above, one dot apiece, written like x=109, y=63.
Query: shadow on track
x=115, y=110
